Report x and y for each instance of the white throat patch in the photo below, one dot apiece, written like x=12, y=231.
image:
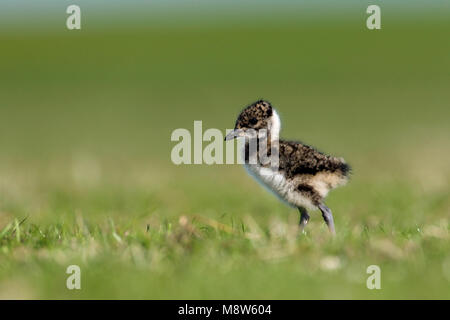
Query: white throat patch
x=275, y=126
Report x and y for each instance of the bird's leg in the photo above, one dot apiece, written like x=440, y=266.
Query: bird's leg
x=304, y=218
x=328, y=217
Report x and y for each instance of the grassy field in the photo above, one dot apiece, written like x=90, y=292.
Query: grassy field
x=86, y=176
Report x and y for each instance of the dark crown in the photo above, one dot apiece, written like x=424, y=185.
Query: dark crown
x=255, y=116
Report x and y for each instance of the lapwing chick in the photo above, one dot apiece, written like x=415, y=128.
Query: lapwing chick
x=302, y=176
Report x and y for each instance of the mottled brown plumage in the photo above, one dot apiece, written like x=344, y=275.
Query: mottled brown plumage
x=297, y=158
x=255, y=116
x=303, y=176
x=305, y=167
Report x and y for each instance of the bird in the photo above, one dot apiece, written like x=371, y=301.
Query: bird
x=301, y=177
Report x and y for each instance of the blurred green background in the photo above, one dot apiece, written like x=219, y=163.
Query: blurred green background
x=85, y=124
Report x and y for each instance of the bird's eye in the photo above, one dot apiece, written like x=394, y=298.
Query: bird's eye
x=253, y=120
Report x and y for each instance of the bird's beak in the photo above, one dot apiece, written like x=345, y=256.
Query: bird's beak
x=234, y=134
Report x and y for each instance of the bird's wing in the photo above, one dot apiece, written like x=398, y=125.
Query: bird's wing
x=298, y=158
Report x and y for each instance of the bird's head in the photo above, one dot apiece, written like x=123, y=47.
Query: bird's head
x=257, y=116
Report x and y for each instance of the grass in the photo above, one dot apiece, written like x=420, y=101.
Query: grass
x=86, y=177
x=222, y=240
